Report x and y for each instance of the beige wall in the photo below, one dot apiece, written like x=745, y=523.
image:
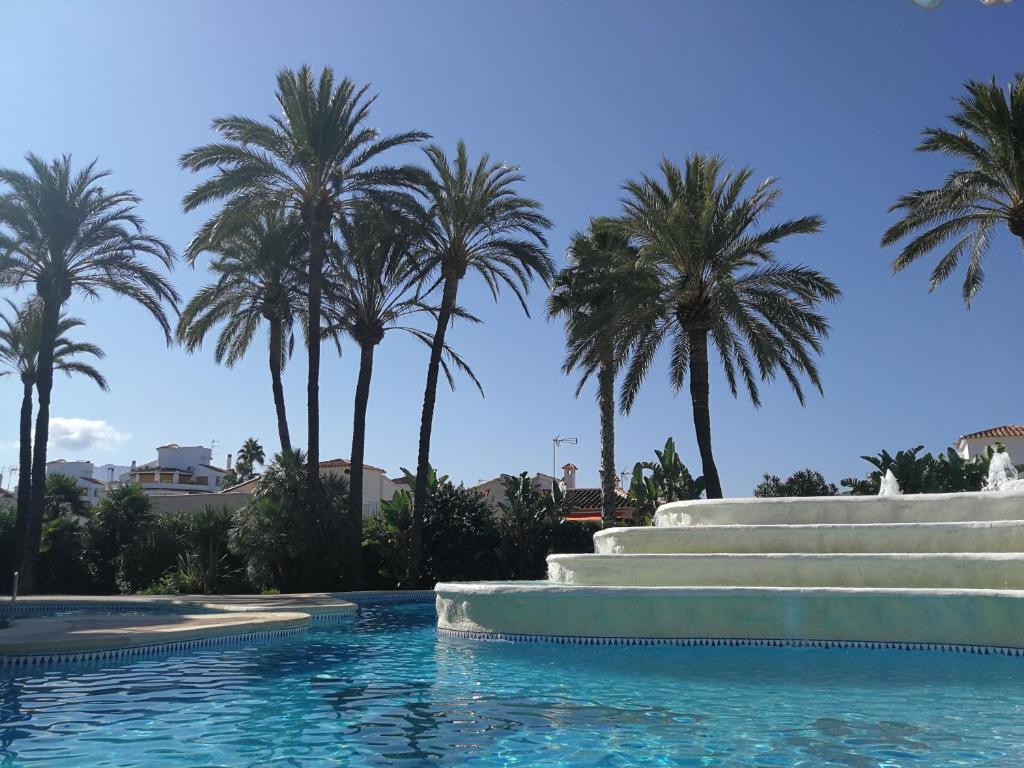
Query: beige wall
x=196, y=502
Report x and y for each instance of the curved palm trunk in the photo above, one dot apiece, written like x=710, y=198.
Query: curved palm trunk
x=699, y=389
x=24, y=474
x=37, y=499
x=317, y=249
x=444, y=316
x=275, y=378
x=606, y=405
x=355, y=497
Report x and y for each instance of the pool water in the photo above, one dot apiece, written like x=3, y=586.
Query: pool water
x=384, y=690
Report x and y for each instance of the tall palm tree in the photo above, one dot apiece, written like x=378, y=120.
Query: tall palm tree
x=974, y=200
x=376, y=282
x=712, y=276
x=259, y=278
x=20, y=334
x=312, y=159
x=584, y=294
x=251, y=452
x=63, y=233
x=479, y=223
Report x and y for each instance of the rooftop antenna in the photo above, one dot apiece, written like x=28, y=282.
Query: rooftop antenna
x=213, y=447
x=556, y=441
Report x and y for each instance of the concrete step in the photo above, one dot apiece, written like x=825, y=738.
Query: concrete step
x=994, y=536
x=920, y=508
x=935, y=570
x=904, y=618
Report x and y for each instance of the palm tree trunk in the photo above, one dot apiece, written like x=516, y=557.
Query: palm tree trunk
x=24, y=474
x=699, y=390
x=355, y=498
x=606, y=405
x=317, y=249
x=444, y=316
x=37, y=499
x=275, y=378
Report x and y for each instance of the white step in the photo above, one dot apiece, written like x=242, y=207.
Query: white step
x=919, y=508
x=945, y=571
x=527, y=611
x=995, y=536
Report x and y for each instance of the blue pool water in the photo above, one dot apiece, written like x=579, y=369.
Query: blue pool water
x=385, y=691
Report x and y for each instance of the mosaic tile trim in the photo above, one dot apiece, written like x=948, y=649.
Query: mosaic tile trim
x=725, y=641
x=50, y=607
x=405, y=596
x=143, y=651
x=329, y=618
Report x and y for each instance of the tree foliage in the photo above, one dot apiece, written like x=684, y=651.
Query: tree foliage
x=976, y=199
x=803, y=482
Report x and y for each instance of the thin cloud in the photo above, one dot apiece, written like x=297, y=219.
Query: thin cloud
x=74, y=434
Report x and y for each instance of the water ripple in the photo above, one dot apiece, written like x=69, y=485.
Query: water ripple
x=385, y=692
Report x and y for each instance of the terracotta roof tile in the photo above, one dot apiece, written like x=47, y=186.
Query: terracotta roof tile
x=343, y=463
x=580, y=499
x=1008, y=430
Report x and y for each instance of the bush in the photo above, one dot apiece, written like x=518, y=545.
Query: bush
x=459, y=536
x=8, y=544
x=460, y=541
x=126, y=548
x=62, y=568
x=804, y=482
x=531, y=526
x=949, y=473
x=286, y=542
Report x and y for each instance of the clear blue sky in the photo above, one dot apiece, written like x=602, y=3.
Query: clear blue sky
x=827, y=95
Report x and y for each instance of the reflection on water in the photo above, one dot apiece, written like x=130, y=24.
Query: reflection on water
x=386, y=691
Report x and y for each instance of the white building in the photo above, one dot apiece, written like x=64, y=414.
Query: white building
x=377, y=486
x=83, y=473
x=1010, y=435
x=177, y=469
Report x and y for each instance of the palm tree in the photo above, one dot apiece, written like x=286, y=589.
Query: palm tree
x=63, y=233
x=375, y=284
x=259, y=278
x=477, y=222
x=312, y=159
x=974, y=200
x=711, y=275
x=584, y=293
x=249, y=455
x=20, y=334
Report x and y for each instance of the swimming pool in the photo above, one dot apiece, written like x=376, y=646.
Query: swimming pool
x=384, y=690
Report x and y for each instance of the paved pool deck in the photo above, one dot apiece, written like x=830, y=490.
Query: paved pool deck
x=86, y=624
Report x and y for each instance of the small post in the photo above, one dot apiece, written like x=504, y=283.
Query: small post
x=14, y=587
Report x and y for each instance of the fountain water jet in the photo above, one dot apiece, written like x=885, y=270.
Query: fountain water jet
x=889, y=486
x=1002, y=475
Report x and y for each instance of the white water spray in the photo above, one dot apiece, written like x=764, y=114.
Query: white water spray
x=889, y=485
x=1002, y=475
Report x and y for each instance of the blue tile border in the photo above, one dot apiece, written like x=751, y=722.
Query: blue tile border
x=394, y=596
x=28, y=609
x=142, y=651
x=505, y=637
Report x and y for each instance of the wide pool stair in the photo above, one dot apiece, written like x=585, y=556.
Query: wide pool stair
x=927, y=571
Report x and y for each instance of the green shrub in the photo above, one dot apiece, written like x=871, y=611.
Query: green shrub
x=62, y=567
x=286, y=542
x=915, y=473
x=803, y=482
x=8, y=540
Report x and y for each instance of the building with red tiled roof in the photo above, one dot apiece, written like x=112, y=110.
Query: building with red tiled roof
x=1011, y=436
x=584, y=504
